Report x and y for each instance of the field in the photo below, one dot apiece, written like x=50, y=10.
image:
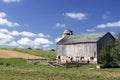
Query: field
x=15, y=54
x=40, y=53
x=18, y=69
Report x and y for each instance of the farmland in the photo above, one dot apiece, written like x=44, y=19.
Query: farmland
x=18, y=69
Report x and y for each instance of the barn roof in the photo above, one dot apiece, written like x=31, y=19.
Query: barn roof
x=92, y=37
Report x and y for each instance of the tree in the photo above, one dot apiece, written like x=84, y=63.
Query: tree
x=105, y=56
x=116, y=50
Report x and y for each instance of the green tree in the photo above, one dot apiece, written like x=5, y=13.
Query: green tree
x=116, y=50
x=105, y=56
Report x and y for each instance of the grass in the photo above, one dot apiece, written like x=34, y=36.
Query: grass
x=42, y=53
x=19, y=70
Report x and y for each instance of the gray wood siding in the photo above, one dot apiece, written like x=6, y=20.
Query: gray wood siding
x=77, y=50
x=102, y=42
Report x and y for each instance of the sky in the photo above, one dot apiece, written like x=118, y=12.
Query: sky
x=40, y=23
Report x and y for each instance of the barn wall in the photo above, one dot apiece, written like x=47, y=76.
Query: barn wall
x=85, y=50
x=101, y=42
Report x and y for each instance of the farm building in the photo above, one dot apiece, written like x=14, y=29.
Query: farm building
x=83, y=47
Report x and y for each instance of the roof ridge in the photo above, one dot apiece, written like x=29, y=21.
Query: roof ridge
x=92, y=37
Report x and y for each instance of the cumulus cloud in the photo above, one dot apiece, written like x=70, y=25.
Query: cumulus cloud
x=6, y=22
x=43, y=35
x=28, y=34
x=11, y=1
x=6, y=36
x=78, y=16
x=25, y=42
x=14, y=33
x=90, y=30
x=37, y=42
x=42, y=41
x=2, y=15
x=59, y=25
x=109, y=24
x=58, y=39
x=4, y=42
x=13, y=44
x=3, y=30
x=45, y=46
x=24, y=39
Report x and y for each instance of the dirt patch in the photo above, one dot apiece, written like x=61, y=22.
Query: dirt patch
x=15, y=54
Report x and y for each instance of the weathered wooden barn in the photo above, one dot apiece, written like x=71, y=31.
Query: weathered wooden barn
x=83, y=47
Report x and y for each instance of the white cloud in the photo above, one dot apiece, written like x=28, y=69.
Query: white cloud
x=27, y=34
x=3, y=30
x=6, y=36
x=24, y=39
x=14, y=33
x=36, y=43
x=109, y=24
x=45, y=46
x=24, y=33
x=58, y=39
x=5, y=22
x=104, y=17
x=43, y=35
x=2, y=15
x=4, y=42
x=59, y=25
x=5, y=39
x=11, y=1
x=25, y=42
x=78, y=16
x=91, y=30
x=13, y=44
x=42, y=41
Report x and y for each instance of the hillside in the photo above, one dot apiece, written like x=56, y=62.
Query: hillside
x=15, y=54
x=26, y=53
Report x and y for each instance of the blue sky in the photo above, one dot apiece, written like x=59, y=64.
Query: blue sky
x=40, y=23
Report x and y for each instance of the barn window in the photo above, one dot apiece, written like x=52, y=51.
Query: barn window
x=58, y=57
x=91, y=58
x=82, y=58
x=71, y=58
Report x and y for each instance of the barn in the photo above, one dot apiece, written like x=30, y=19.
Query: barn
x=83, y=47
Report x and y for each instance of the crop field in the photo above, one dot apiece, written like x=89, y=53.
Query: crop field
x=15, y=54
x=18, y=69
x=40, y=53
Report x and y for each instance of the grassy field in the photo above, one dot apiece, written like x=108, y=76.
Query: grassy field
x=40, y=53
x=16, y=54
x=18, y=69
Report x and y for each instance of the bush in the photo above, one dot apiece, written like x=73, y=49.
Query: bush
x=105, y=55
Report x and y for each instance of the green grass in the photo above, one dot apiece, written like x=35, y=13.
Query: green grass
x=41, y=53
x=19, y=70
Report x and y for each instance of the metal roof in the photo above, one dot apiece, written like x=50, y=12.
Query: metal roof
x=72, y=39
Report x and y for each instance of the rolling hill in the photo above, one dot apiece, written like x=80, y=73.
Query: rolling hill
x=16, y=54
x=26, y=53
